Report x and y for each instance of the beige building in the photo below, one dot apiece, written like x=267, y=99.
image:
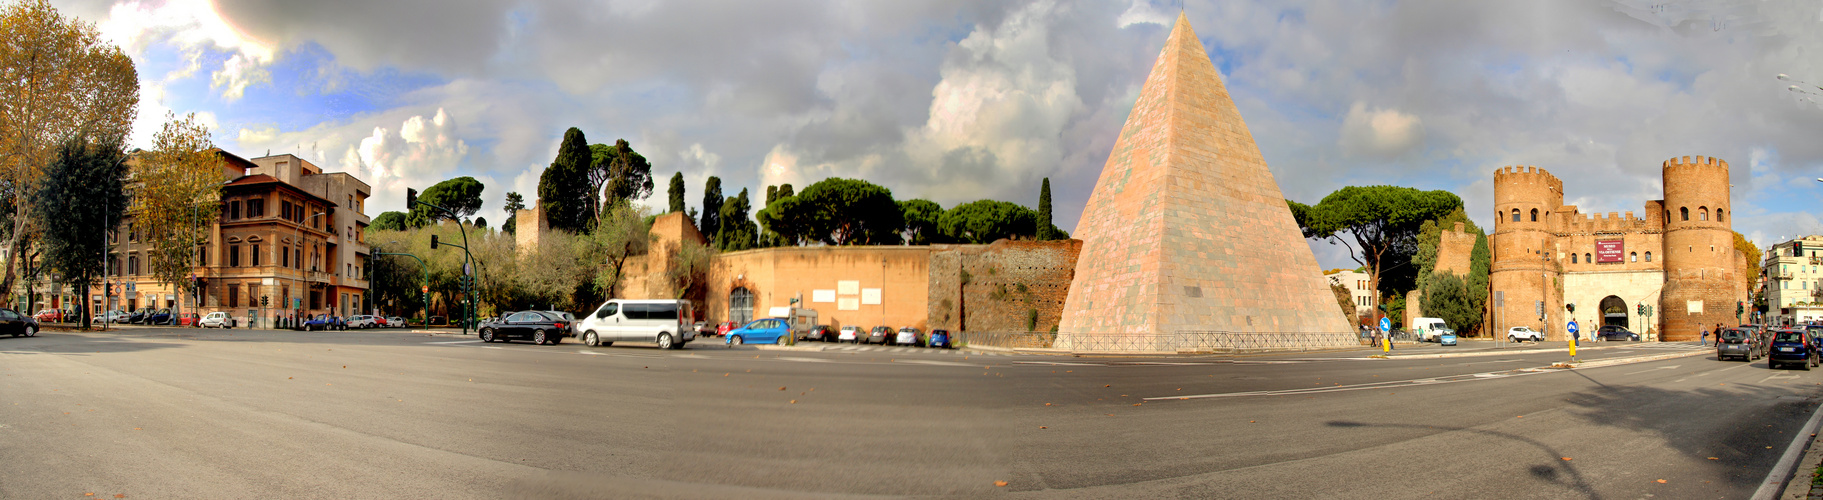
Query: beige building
x=1794, y=281
x=1357, y=284
x=287, y=233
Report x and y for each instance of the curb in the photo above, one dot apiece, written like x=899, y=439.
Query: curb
x=1798, y=487
x=1634, y=359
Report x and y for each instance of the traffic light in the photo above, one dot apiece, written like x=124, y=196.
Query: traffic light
x=265, y=300
x=433, y=242
x=1740, y=307
x=411, y=199
x=1569, y=307
x=1642, y=309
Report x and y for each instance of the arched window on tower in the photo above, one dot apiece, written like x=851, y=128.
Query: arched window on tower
x=1585, y=258
x=1684, y=212
x=1572, y=258
x=1718, y=216
x=1515, y=215
x=1648, y=256
x=1633, y=257
x=1534, y=215
x=1702, y=213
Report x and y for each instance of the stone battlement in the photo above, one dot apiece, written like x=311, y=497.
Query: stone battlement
x=1696, y=161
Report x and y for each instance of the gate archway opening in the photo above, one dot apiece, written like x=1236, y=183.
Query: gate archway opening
x=1614, y=312
x=740, y=306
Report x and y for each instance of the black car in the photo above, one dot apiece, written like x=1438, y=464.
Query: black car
x=880, y=335
x=1615, y=332
x=540, y=327
x=1737, y=343
x=139, y=316
x=820, y=332
x=1791, y=346
x=19, y=325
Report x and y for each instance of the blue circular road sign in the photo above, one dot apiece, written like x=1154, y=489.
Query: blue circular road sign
x=1386, y=325
x=1572, y=327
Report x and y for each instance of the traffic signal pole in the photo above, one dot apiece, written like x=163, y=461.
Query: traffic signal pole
x=425, y=290
x=468, y=306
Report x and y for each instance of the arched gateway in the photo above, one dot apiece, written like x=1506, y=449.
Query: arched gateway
x=1614, y=312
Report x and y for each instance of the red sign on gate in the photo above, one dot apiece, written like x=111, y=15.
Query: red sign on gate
x=1609, y=251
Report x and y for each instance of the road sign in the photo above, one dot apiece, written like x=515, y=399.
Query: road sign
x=424, y=289
x=1386, y=324
x=1500, y=298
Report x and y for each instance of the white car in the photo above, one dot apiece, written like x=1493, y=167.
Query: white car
x=216, y=319
x=114, y=316
x=908, y=336
x=395, y=322
x=1519, y=333
x=850, y=334
x=360, y=321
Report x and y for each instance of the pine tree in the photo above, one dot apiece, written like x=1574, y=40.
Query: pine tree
x=563, y=189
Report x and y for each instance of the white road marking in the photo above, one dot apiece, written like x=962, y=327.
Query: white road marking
x=930, y=362
x=455, y=342
x=1672, y=367
x=1358, y=387
x=801, y=360
x=1055, y=363
x=1778, y=376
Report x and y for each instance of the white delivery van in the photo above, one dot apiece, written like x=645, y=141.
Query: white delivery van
x=668, y=323
x=802, y=321
x=1430, y=329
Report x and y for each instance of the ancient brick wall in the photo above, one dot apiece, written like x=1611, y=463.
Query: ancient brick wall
x=1007, y=283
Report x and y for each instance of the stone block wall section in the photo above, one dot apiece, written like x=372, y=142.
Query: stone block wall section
x=1008, y=282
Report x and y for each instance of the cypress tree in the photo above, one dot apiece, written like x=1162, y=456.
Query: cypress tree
x=1479, y=266
x=563, y=189
x=712, y=210
x=1044, y=212
x=677, y=192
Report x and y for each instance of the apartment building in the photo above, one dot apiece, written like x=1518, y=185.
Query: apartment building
x=287, y=244
x=1793, y=272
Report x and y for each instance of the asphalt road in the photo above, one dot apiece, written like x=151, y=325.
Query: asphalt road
x=170, y=413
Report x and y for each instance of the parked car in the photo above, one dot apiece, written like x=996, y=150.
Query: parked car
x=723, y=329
x=437, y=321
x=540, y=327
x=48, y=316
x=186, y=319
x=138, y=316
x=396, y=322
x=664, y=322
x=1615, y=332
x=1736, y=343
x=17, y=324
x=850, y=334
x=570, y=319
x=160, y=317
x=760, y=331
x=1519, y=333
x=362, y=321
x=216, y=319
x=704, y=329
x=318, y=322
x=820, y=333
x=939, y=339
x=1447, y=338
x=1429, y=329
x=880, y=335
x=1791, y=346
x=909, y=336
x=114, y=316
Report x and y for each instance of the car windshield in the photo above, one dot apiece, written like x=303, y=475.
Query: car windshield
x=1733, y=335
x=1789, y=337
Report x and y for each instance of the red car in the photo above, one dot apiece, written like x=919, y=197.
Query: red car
x=723, y=329
x=48, y=316
x=379, y=322
x=187, y=319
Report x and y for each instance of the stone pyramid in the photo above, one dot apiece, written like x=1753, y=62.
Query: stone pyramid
x=1187, y=232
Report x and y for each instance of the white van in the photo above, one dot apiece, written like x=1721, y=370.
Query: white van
x=1430, y=329
x=665, y=322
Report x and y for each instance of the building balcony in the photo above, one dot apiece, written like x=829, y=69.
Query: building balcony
x=1780, y=275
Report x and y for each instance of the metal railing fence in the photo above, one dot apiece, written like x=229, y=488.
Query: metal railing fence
x=1200, y=342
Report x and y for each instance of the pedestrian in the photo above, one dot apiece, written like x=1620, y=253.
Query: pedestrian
x=1705, y=340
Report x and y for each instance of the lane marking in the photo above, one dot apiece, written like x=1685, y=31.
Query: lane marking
x=1672, y=367
x=1375, y=385
x=931, y=362
x=1778, y=376
x=456, y=342
x=801, y=360
x=1775, y=480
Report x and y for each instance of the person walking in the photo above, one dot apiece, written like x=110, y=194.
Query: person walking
x=1705, y=338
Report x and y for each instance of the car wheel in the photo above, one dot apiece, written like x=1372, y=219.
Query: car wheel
x=539, y=338
x=664, y=341
x=735, y=340
x=556, y=339
x=31, y=331
x=590, y=339
x=487, y=335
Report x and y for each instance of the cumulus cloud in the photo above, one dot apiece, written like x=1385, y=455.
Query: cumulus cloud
x=191, y=27
x=1384, y=133
x=390, y=152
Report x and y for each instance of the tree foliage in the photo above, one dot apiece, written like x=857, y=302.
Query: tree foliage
x=1379, y=225
x=689, y=271
x=389, y=221
x=1447, y=297
x=461, y=195
x=838, y=211
x=62, y=79
x=176, y=194
x=1752, y=251
x=1480, y=265
x=737, y=232
x=1346, y=301
x=711, y=225
x=677, y=192
x=1430, y=239
x=84, y=186
x=514, y=203
x=985, y=221
x=564, y=188
x=626, y=175
x=921, y=218
x=622, y=233
x=1045, y=225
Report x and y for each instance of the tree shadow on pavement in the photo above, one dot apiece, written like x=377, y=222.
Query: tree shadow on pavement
x=1558, y=471
x=54, y=343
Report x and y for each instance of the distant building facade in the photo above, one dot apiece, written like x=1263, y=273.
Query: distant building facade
x=1793, y=272
x=1359, y=290
x=1679, y=258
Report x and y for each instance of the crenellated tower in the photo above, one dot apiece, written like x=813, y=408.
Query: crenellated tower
x=1699, y=248
x=1523, y=245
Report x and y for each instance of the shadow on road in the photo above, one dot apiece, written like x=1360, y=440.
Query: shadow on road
x=53, y=343
x=1554, y=470
x=1745, y=427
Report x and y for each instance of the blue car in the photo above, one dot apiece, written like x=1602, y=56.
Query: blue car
x=760, y=331
x=321, y=322
x=1447, y=339
x=939, y=339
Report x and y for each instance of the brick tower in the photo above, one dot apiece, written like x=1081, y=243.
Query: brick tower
x=1699, y=248
x=1187, y=230
x=1524, y=268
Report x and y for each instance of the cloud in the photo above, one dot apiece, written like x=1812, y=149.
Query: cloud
x=1383, y=133
x=192, y=27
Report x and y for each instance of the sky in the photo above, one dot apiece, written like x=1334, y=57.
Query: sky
x=960, y=100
